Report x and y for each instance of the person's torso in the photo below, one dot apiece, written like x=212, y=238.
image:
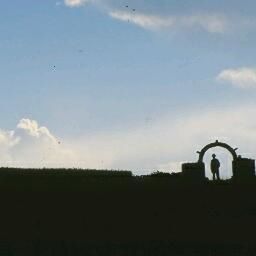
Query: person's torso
x=215, y=164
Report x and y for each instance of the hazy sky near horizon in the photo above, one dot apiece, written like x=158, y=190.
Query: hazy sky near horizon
x=138, y=85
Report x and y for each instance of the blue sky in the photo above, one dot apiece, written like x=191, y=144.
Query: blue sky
x=96, y=72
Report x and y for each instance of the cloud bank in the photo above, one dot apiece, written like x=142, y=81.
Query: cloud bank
x=162, y=145
x=240, y=77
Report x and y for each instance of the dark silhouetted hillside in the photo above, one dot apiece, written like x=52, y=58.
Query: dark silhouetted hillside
x=121, y=214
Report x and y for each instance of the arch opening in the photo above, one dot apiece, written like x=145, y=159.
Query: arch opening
x=225, y=159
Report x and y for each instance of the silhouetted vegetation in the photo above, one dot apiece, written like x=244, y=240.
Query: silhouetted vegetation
x=160, y=174
x=87, y=212
x=62, y=172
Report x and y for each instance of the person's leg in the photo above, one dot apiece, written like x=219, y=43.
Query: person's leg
x=218, y=174
x=213, y=175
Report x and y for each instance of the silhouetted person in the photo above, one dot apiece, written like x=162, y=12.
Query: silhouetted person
x=215, y=165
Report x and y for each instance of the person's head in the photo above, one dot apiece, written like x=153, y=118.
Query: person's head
x=213, y=155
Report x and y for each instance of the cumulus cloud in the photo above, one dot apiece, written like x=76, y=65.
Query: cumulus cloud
x=75, y=3
x=212, y=23
x=32, y=128
x=31, y=145
x=241, y=77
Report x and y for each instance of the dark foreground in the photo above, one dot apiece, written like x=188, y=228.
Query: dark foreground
x=82, y=215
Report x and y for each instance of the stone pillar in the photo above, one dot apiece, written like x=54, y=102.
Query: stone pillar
x=193, y=171
x=243, y=168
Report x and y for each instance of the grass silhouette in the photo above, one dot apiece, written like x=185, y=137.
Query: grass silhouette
x=108, y=212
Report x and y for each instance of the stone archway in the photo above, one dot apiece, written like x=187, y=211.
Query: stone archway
x=242, y=168
x=217, y=144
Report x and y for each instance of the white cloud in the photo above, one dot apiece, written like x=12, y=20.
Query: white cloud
x=143, y=20
x=241, y=77
x=160, y=18
x=211, y=23
x=75, y=3
x=31, y=145
x=32, y=128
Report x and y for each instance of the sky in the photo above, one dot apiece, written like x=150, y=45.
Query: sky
x=130, y=85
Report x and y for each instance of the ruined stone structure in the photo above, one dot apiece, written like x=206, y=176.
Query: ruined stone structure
x=242, y=168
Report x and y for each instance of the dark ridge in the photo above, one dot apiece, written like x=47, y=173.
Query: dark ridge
x=101, y=212
x=5, y=171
